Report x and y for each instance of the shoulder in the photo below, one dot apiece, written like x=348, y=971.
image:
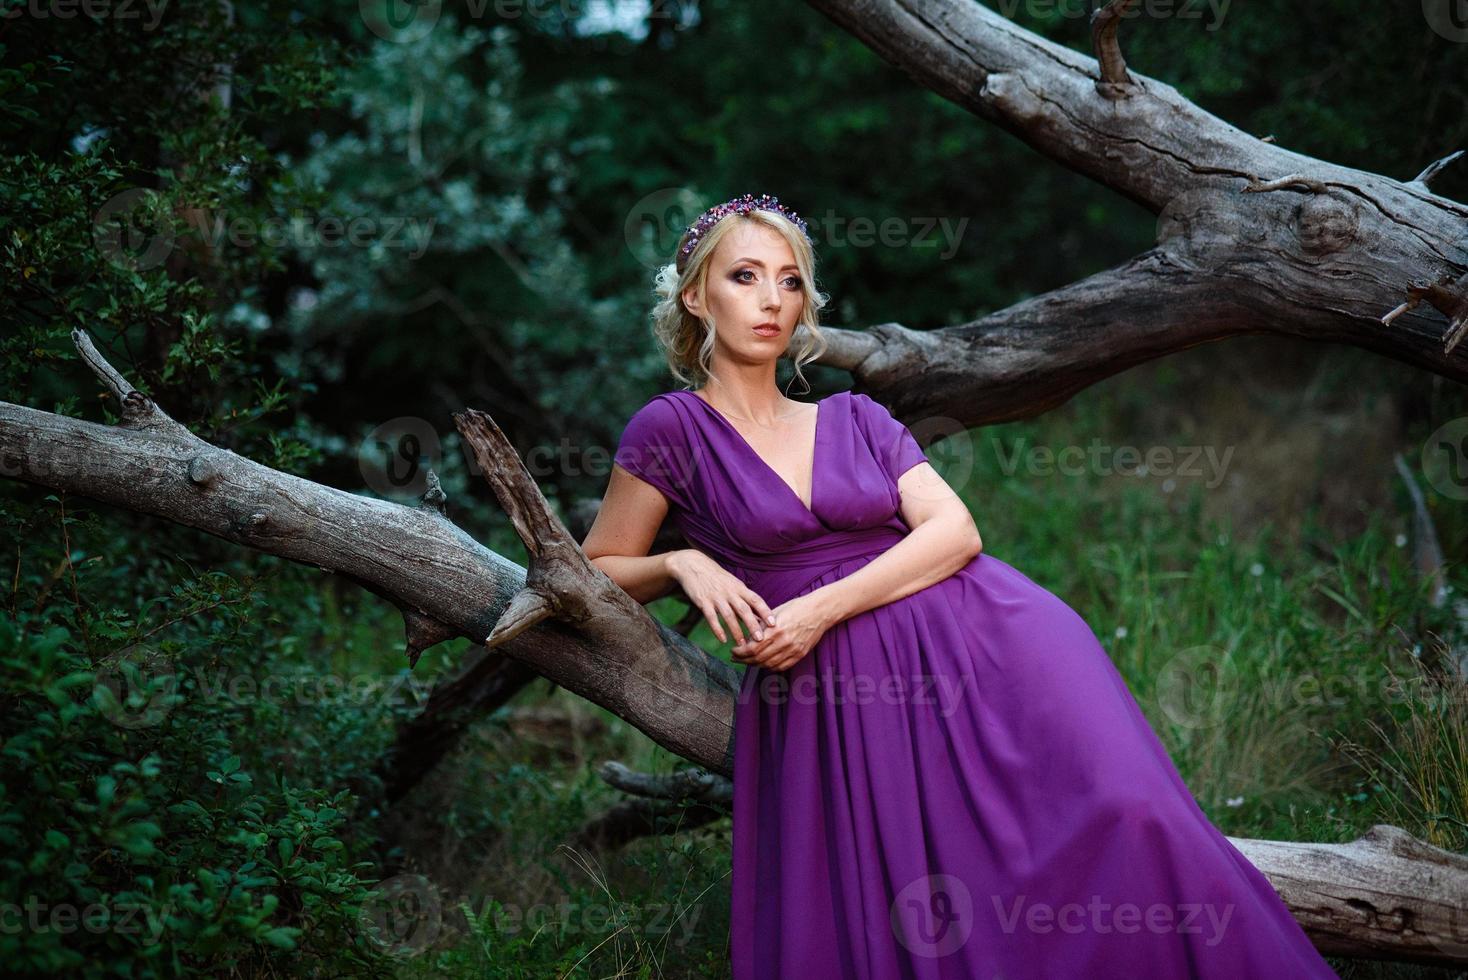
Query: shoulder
x=868, y=411
x=654, y=446
x=656, y=415
x=659, y=425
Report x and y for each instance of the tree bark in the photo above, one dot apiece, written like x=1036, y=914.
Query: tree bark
x=1385, y=895
x=1251, y=237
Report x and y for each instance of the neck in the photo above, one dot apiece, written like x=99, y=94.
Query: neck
x=750, y=400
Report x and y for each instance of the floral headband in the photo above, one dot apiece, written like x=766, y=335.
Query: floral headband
x=738, y=205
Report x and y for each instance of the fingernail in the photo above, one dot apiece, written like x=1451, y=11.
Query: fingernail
x=772, y=620
x=759, y=634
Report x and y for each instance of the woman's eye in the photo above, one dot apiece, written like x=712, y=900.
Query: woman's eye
x=791, y=282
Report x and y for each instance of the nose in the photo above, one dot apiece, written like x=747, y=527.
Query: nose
x=769, y=296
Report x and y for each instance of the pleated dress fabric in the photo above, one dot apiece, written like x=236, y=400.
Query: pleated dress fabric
x=956, y=784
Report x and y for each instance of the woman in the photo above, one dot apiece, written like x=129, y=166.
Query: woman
x=938, y=772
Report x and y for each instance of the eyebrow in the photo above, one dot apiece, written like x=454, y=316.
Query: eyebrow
x=757, y=262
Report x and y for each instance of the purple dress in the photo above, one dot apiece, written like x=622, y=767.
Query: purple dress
x=957, y=784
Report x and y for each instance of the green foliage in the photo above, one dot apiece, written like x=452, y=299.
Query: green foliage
x=189, y=733
x=135, y=834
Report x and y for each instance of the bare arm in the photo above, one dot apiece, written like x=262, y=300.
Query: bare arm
x=618, y=542
x=943, y=539
x=624, y=529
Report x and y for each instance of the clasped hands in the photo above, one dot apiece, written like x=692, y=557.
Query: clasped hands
x=797, y=626
x=777, y=638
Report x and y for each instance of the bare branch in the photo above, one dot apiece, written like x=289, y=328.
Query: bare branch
x=686, y=784
x=1435, y=168
x=1115, y=83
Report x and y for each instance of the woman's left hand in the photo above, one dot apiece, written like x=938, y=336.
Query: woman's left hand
x=799, y=624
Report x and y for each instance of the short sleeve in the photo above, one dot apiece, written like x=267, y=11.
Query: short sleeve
x=891, y=442
x=654, y=449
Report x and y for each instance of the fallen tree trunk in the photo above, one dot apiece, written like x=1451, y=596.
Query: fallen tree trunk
x=1386, y=895
x=413, y=556
x=564, y=619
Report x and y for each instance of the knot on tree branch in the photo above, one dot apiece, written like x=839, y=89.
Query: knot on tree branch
x=421, y=632
x=434, y=497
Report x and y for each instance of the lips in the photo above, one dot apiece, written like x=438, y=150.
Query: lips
x=768, y=330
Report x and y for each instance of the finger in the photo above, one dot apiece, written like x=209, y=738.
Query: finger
x=713, y=621
x=755, y=652
x=759, y=648
x=751, y=618
x=778, y=656
x=766, y=614
x=732, y=621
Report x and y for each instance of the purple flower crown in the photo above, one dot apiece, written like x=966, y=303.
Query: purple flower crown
x=739, y=205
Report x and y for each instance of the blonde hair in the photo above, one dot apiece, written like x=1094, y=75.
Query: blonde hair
x=688, y=341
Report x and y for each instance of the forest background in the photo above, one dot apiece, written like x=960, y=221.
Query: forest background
x=349, y=221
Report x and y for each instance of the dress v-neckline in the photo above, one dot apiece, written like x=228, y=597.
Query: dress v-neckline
x=815, y=453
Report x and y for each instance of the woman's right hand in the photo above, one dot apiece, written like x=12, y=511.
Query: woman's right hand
x=717, y=593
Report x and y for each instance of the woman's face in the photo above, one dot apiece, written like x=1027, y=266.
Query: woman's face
x=752, y=281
